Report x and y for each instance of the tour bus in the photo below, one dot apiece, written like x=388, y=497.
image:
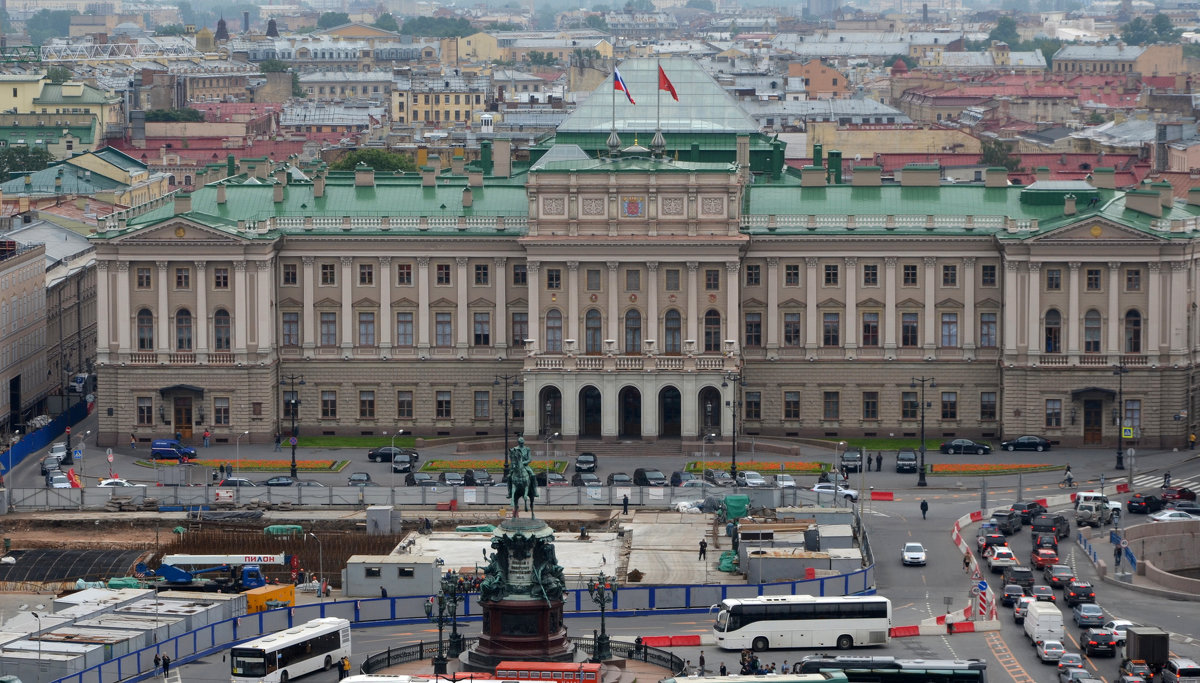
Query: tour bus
x=586, y=672
x=279, y=657
x=893, y=670
x=824, y=677
x=786, y=621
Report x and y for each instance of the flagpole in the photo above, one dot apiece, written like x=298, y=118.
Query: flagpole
x=657, y=99
x=614, y=99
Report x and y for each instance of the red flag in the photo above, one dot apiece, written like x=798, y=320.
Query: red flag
x=664, y=83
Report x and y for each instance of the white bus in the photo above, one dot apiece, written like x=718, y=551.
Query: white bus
x=781, y=621
x=282, y=656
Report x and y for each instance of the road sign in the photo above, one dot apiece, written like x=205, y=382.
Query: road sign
x=293, y=441
x=78, y=453
x=1124, y=543
x=982, y=586
x=110, y=456
x=1126, y=432
x=108, y=452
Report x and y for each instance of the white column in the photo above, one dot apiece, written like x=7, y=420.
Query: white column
x=1011, y=306
x=614, y=314
x=772, y=303
x=423, y=303
x=531, y=388
x=104, y=313
x=570, y=406
x=201, y=315
x=241, y=306
x=1177, y=318
x=310, y=315
x=968, y=325
x=693, y=297
x=889, y=303
x=649, y=409
x=386, y=324
x=609, y=410
x=347, y=308
x=125, y=322
x=930, y=315
x=733, y=303
x=461, y=305
x=500, y=340
x=533, y=276
x=811, y=314
x=1157, y=310
x=1073, y=322
x=653, y=331
x=263, y=309
x=851, y=338
x=1033, y=325
x=1114, y=309
x=163, y=344
x=571, y=325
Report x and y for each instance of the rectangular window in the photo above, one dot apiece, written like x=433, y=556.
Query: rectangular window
x=443, y=330
x=443, y=409
x=791, y=329
x=753, y=329
x=1133, y=280
x=404, y=329
x=553, y=278
x=404, y=405
x=145, y=411
x=633, y=280
x=949, y=276
x=831, y=404
x=870, y=274
x=329, y=404
x=987, y=330
x=520, y=329
x=366, y=274
x=1053, y=413
x=483, y=405
x=831, y=275
x=909, y=330
x=712, y=280
x=987, y=406
x=291, y=405
x=328, y=274
x=328, y=329
x=220, y=278
x=518, y=405
x=482, y=329
x=949, y=405
x=482, y=276
x=791, y=275
x=183, y=278
x=1093, y=279
x=870, y=405
x=870, y=329
x=832, y=330
x=404, y=274
x=791, y=405
x=291, y=329
x=987, y=276
x=910, y=408
x=1133, y=412
x=366, y=405
x=520, y=276
x=753, y=405
x=672, y=283
x=366, y=329
x=443, y=274
x=950, y=330
x=910, y=275
x=592, y=278
x=1053, y=279
x=221, y=411
x=753, y=276
x=144, y=280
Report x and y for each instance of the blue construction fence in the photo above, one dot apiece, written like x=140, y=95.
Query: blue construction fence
x=40, y=438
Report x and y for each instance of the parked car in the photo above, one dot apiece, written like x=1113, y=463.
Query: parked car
x=280, y=480
x=1041, y=558
x=450, y=479
x=751, y=479
x=1050, y=650
x=1144, y=503
x=623, y=479
x=1010, y=594
x=1172, y=516
x=912, y=554
x=585, y=479
x=478, y=478
x=965, y=446
x=1058, y=575
x=1028, y=510
x=851, y=460
x=1118, y=626
x=419, y=479
x=236, y=482
x=848, y=494
x=1098, y=641
x=1177, y=493
x=1079, y=591
x=115, y=483
x=1043, y=594
x=906, y=460
x=358, y=478
x=785, y=481
x=715, y=477
x=833, y=477
x=1087, y=614
x=678, y=477
x=585, y=462
x=551, y=479
x=1026, y=443
x=648, y=476
x=391, y=453
x=309, y=483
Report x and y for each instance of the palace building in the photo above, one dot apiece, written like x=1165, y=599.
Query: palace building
x=653, y=273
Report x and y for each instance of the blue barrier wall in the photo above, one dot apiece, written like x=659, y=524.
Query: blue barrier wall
x=37, y=440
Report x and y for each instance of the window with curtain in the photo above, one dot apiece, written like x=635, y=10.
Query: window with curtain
x=593, y=332
x=673, y=332
x=712, y=331
x=183, y=330
x=221, y=330
x=633, y=332
x=1053, y=331
x=554, y=331
x=1133, y=332
x=145, y=330
x=1091, y=331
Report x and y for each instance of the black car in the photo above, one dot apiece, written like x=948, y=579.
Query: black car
x=419, y=479
x=1028, y=510
x=450, y=478
x=551, y=479
x=1077, y=592
x=906, y=460
x=1026, y=443
x=620, y=479
x=390, y=453
x=585, y=462
x=281, y=480
x=1011, y=592
x=1145, y=503
x=648, y=476
x=679, y=476
x=585, y=479
x=478, y=478
x=1098, y=641
x=851, y=460
x=1058, y=575
x=1046, y=540
x=966, y=446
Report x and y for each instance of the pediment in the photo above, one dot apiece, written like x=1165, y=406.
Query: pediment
x=481, y=302
x=870, y=303
x=754, y=303
x=793, y=303
x=1099, y=231
x=327, y=302
x=180, y=229
x=987, y=303
x=289, y=303
x=831, y=303
x=949, y=303
x=911, y=303
x=517, y=303
x=366, y=302
x=442, y=303
x=404, y=302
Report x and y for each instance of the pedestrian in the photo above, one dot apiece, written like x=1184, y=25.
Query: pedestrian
x=382, y=592
x=166, y=662
x=1117, y=556
x=278, y=441
x=1166, y=479
x=703, y=549
x=207, y=436
x=878, y=461
x=215, y=479
x=966, y=562
x=785, y=669
x=132, y=441
x=179, y=437
x=868, y=462
x=625, y=504
x=687, y=668
x=301, y=576
x=924, y=508
x=221, y=468
x=701, y=660
x=157, y=662
x=723, y=670
x=344, y=668
x=1192, y=441
x=637, y=645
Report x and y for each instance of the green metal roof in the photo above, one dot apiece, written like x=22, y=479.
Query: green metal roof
x=52, y=93
x=48, y=135
x=74, y=181
x=638, y=164
x=120, y=159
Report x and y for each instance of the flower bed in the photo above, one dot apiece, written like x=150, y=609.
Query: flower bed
x=489, y=464
x=258, y=465
x=699, y=466
x=948, y=470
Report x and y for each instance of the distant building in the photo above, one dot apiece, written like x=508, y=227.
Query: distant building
x=1147, y=60
x=821, y=81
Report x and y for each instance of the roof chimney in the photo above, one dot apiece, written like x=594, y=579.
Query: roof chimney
x=278, y=193
x=183, y=202
x=743, y=152
x=468, y=197
x=319, y=185
x=996, y=176
x=1069, y=205
x=475, y=179
x=221, y=193
x=1166, y=193
x=429, y=172
x=866, y=176
x=364, y=176
x=1105, y=178
x=812, y=176
x=1144, y=201
x=458, y=161
x=1041, y=173
x=1194, y=196
x=920, y=175
x=502, y=165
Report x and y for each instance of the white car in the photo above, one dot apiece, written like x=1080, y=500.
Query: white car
x=1172, y=516
x=912, y=554
x=751, y=479
x=59, y=481
x=1050, y=650
x=848, y=494
x=1021, y=608
x=1118, y=626
x=115, y=482
x=59, y=449
x=785, y=481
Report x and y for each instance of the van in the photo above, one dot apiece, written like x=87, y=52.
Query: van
x=851, y=460
x=1179, y=670
x=1097, y=498
x=1043, y=621
x=1007, y=521
x=170, y=449
x=906, y=460
x=1050, y=523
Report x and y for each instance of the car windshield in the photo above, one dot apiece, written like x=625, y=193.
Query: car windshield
x=914, y=548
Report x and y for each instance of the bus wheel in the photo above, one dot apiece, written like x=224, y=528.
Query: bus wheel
x=844, y=642
x=283, y=677
x=760, y=644
x=328, y=663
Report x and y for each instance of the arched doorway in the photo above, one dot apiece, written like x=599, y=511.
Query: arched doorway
x=670, y=412
x=549, y=410
x=629, y=402
x=710, y=411
x=589, y=412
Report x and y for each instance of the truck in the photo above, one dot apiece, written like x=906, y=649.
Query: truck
x=1148, y=644
x=1043, y=621
x=184, y=572
x=271, y=596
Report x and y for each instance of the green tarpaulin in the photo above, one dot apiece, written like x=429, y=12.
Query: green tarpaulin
x=124, y=582
x=284, y=530
x=736, y=506
x=729, y=562
x=480, y=528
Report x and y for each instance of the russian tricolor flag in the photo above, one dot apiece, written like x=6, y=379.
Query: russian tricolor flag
x=619, y=84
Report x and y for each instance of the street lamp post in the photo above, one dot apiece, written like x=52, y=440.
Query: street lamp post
x=237, y=453
x=82, y=442
x=1120, y=371
x=294, y=408
x=398, y=433
x=735, y=405
x=505, y=404
x=437, y=603
x=913, y=385
x=455, y=590
x=601, y=591
x=320, y=563
x=39, y=622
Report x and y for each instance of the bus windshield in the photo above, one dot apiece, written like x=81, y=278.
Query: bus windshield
x=248, y=662
x=722, y=620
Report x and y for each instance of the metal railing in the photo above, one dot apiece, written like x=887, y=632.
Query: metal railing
x=394, y=656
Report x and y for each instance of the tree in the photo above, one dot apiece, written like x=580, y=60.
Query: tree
x=1167, y=33
x=908, y=61
x=1138, y=32
x=23, y=159
x=331, y=19
x=380, y=160
x=59, y=74
x=639, y=6
x=170, y=30
x=387, y=22
x=273, y=66
x=175, y=115
x=47, y=24
x=297, y=89
x=701, y=4
x=1005, y=31
x=596, y=22
x=539, y=58
x=437, y=27
x=996, y=153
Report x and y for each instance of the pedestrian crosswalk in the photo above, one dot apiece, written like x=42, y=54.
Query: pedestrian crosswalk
x=1154, y=481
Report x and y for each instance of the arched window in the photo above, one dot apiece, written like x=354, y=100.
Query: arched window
x=1053, y=331
x=1133, y=332
x=674, y=332
x=593, y=335
x=145, y=330
x=553, y=332
x=712, y=331
x=221, y=330
x=633, y=331
x=1091, y=331
x=183, y=330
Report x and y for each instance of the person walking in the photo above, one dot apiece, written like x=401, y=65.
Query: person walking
x=701, y=661
x=1166, y=479
x=132, y=442
x=166, y=662
x=723, y=670
x=924, y=508
x=207, y=436
x=703, y=549
x=1192, y=441
x=157, y=662
x=878, y=461
x=625, y=504
x=344, y=668
x=278, y=441
x=966, y=562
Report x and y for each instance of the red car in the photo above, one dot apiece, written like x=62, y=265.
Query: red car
x=1178, y=493
x=1042, y=558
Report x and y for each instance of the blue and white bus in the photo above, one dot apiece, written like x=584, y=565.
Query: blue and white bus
x=784, y=621
x=316, y=645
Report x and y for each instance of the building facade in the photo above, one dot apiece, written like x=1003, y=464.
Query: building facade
x=23, y=374
x=621, y=292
